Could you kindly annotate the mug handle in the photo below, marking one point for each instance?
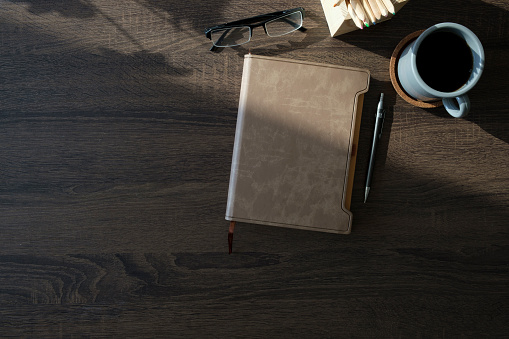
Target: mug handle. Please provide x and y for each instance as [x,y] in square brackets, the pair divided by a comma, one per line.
[459,110]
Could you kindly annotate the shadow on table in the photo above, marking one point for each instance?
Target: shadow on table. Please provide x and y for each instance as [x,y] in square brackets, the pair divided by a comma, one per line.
[185,11]
[369,110]
[67,8]
[492,27]
[489,98]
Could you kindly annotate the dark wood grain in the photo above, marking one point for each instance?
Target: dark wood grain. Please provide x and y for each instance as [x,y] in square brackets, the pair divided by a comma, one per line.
[116,133]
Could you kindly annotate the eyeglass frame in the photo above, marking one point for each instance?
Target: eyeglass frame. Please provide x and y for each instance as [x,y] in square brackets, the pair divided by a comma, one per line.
[260,20]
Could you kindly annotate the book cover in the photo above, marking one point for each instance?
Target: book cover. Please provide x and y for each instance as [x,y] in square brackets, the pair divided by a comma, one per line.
[295,144]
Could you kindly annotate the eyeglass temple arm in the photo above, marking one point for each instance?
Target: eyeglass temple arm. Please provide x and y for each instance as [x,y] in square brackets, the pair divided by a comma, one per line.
[259,18]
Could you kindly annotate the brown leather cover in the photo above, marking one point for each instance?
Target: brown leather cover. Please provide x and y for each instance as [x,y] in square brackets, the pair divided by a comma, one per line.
[295,144]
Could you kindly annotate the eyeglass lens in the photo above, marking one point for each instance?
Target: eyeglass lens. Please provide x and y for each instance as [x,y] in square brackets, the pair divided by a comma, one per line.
[231,36]
[284,25]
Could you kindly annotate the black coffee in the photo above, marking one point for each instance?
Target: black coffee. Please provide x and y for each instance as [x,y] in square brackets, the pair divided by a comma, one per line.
[444,61]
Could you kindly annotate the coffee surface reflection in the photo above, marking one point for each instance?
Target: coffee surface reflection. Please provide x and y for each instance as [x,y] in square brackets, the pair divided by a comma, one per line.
[444,61]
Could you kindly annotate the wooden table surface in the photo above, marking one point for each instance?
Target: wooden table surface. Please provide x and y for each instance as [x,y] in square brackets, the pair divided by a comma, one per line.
[116,134]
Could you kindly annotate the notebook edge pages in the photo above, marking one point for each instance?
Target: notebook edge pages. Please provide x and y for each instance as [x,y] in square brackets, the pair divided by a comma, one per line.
[246,71]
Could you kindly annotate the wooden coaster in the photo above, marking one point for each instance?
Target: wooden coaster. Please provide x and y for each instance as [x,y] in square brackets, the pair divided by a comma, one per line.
[393,70]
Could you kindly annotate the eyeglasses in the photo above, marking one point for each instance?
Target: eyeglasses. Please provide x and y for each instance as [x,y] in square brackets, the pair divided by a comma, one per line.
[240,32]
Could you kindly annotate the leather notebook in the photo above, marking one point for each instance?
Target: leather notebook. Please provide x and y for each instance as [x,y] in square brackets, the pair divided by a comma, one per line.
[295,144]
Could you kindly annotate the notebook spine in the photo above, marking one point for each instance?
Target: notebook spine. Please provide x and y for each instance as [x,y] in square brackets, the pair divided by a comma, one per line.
[238,136]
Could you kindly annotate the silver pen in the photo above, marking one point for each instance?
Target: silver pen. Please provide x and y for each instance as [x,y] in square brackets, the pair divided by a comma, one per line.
[380,116]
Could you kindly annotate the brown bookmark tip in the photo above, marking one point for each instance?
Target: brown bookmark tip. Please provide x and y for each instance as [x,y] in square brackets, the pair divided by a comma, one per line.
[230,236]
[230,242]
